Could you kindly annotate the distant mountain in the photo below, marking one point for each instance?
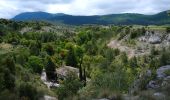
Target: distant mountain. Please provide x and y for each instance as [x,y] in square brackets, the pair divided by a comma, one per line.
[118,19]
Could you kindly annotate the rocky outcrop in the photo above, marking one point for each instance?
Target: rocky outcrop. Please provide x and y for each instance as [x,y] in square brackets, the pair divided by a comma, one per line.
[151,37]
[161,78]
[46,82]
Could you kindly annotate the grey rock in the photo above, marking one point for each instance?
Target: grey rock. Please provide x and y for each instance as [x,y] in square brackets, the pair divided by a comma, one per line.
[153,84]
[167,78]
[168,38]
[46,97]
[164,83]
[148,73]
[154,39]
[161,70]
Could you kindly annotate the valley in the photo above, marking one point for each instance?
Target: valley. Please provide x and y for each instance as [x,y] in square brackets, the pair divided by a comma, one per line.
[41,60]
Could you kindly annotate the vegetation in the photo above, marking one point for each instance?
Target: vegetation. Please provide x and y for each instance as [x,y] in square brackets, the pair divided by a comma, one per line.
[103,72]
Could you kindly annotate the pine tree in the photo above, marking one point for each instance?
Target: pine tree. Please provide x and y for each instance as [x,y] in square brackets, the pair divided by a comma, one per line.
[71,58]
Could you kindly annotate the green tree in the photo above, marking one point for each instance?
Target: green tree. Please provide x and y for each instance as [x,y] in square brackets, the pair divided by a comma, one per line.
[15,26]
[71,59]
[80,53]
[49,49]
[21,58]
[69,88]
[51,69]
[36,64]
[34,50]
[168,29]
[27,92]
[37,26]
[7,73]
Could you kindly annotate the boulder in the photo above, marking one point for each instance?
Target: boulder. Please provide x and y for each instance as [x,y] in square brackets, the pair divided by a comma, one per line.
[154,39]
[161,72]
[153,85]
[159,96]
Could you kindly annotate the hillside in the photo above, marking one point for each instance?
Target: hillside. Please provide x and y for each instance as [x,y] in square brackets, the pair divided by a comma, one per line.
[117,19]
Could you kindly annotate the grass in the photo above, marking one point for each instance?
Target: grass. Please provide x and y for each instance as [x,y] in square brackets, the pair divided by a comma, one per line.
[157,28]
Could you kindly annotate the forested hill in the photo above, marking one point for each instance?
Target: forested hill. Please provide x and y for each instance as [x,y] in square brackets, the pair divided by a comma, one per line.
[118,19]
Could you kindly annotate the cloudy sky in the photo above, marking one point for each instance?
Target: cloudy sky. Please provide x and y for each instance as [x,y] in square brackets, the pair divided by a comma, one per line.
[10,8]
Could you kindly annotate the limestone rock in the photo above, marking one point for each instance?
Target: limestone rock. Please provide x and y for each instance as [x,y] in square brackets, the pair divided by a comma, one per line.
[153,85]
[161,70]
[154,39]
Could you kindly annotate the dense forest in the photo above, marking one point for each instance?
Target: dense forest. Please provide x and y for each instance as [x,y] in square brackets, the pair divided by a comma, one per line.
[103,70]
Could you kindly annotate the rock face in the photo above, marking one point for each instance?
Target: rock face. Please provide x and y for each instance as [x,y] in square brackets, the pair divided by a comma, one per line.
[46,82]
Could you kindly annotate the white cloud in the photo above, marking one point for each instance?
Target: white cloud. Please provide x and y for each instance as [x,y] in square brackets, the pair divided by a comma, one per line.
[9,8]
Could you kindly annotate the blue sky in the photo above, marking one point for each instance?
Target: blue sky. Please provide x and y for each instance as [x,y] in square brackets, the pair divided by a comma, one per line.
[10,8]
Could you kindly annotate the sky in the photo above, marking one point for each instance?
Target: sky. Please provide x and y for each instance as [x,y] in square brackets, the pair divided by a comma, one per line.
[10,8]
